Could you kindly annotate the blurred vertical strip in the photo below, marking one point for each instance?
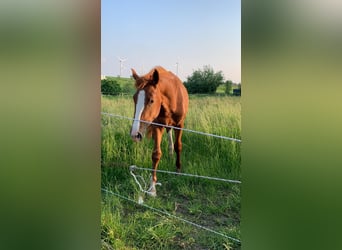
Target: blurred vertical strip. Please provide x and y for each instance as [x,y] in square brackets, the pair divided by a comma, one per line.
[291,124]
[50,124]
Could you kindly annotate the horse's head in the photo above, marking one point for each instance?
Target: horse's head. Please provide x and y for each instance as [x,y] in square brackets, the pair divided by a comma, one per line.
[147,100]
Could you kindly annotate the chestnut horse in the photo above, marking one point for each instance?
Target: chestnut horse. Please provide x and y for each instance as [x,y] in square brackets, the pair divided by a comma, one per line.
[160,98]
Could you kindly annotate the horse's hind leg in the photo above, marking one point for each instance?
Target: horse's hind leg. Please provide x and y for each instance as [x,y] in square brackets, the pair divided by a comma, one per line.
[170,140]
[178,147]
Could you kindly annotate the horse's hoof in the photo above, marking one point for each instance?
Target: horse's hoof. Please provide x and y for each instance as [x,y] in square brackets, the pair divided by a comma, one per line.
[152,193]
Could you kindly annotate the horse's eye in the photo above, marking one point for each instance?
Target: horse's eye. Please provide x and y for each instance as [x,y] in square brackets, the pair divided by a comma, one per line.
[151,101]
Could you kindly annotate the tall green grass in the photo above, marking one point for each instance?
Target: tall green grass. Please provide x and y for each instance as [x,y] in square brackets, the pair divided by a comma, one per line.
[213,204]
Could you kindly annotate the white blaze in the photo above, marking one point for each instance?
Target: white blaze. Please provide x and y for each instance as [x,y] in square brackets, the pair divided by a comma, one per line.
[138,111]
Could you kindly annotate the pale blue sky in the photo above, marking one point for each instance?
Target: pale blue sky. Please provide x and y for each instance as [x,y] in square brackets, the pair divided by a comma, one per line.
[193,33]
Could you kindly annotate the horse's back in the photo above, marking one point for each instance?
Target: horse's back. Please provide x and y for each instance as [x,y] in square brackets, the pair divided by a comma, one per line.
[175,91]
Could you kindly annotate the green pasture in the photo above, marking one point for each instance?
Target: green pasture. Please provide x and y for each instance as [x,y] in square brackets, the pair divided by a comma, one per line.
[213,204]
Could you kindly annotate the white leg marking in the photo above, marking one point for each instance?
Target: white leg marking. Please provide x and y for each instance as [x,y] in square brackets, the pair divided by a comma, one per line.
[138,111]
[152,190]
[169,137]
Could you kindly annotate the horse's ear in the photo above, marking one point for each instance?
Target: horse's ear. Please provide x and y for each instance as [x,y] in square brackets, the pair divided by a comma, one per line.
[134,74]
[155,77]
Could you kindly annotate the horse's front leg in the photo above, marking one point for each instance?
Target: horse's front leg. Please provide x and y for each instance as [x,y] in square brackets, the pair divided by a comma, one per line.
[156,155]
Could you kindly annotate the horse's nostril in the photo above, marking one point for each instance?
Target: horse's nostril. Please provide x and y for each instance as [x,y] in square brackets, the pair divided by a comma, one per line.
[139,136]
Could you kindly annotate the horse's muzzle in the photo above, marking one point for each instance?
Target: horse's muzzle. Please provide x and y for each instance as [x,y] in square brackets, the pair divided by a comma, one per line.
[137,137]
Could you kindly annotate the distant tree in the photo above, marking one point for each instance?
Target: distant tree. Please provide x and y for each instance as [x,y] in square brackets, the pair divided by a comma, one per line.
[228,84]
[128,88]
[110,87]
[204,81]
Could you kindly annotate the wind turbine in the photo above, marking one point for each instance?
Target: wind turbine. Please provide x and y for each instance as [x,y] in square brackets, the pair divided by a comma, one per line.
[177,66]
[121,60]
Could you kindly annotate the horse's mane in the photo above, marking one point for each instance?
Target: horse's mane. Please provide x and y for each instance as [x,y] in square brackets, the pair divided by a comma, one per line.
[143,80]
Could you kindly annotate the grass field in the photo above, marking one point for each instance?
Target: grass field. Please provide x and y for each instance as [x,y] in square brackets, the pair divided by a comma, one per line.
[213,204]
